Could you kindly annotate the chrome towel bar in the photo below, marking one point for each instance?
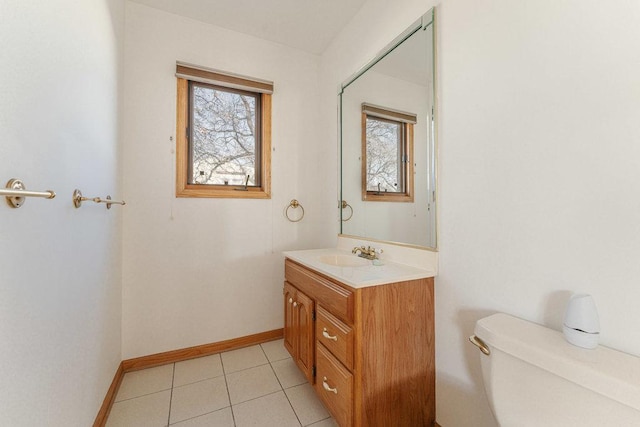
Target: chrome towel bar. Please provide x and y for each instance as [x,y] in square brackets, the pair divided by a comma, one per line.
[16,193]
[78,199]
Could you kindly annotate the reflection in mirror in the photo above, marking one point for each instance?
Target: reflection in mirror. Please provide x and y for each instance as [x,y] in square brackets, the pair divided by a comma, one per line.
[387,147]
[387,131]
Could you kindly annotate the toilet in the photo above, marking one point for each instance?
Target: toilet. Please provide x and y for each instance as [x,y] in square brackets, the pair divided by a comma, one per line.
[533,377]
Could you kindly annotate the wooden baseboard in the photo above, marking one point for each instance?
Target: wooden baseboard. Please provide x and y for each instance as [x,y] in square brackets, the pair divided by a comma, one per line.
[103,414]
[199,351]
[173,356]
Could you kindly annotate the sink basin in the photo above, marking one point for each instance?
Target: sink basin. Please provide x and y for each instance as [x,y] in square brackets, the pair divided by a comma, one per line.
[344,260]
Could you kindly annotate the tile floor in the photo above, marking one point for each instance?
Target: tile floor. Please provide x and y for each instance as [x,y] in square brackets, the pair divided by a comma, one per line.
[253,386]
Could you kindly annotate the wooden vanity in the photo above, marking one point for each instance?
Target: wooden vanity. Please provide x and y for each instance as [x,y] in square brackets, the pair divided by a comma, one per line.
[368,351]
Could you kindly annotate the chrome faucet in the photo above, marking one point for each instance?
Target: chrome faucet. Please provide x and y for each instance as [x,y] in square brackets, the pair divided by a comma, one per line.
[368,252]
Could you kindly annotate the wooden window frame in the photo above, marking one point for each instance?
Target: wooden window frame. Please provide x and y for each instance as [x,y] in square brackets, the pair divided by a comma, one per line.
[407,141]
[183,188]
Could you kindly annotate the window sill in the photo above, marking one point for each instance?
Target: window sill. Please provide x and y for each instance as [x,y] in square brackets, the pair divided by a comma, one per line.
[387,197]
[233,192]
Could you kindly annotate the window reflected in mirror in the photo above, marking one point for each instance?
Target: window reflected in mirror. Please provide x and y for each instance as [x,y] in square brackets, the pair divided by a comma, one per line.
[387,150]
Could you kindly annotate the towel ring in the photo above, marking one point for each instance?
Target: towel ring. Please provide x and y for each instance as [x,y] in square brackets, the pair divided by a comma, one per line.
[345,205]
[295,205]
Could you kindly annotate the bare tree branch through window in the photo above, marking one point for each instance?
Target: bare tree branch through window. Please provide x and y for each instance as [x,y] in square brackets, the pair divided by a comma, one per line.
[384,155]
[223,136]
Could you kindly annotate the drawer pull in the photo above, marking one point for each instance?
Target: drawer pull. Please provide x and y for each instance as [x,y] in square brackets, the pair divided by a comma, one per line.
[326,386]
[295,304]
[325,334]
[290,300]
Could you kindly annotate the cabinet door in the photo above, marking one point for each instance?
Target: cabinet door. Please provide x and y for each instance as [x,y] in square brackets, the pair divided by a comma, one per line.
[290,329]
[306,332]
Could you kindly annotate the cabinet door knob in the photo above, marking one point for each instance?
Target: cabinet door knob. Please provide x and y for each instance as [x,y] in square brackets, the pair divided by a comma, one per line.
[290,300]
[325,334]
[295,304]
[326,386]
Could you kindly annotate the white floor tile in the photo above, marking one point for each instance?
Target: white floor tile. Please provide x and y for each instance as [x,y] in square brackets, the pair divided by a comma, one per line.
[275,350]
[151,410]
[288,373]
[269,411]
[220,418]
[251,379]
[244,358]
[306,404]
[329,422]
[197,399]
[194,370]
[146,381]
[252,383]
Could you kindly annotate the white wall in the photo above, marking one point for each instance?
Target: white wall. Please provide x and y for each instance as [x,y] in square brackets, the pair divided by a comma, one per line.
[539,171]
[205,270]
[60,282]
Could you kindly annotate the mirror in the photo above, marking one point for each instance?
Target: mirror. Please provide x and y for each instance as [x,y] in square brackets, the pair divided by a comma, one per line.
[387,141]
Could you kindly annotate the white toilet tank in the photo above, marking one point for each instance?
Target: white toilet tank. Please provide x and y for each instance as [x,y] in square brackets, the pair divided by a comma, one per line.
[533,377]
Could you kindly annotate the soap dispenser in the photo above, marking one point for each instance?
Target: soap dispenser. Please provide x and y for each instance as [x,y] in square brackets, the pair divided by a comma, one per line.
[581,322]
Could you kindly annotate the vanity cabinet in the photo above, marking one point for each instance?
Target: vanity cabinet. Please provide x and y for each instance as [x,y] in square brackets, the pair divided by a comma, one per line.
[371,348]
[298,328]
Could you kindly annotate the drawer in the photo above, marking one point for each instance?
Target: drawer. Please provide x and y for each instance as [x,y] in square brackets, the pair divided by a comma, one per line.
[336,336]
[334,385]
[335,298]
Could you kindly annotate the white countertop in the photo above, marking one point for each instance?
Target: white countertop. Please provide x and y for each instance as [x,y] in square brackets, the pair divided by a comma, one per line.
[360,276]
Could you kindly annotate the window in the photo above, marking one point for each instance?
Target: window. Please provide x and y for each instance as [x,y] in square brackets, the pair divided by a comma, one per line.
[223,143]
[387,154]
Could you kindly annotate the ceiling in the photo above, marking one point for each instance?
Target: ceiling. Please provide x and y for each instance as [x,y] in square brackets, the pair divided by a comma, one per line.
[309,25]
